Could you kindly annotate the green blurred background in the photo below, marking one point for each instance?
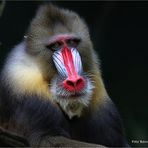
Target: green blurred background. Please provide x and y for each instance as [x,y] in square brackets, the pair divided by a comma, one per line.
[119,31]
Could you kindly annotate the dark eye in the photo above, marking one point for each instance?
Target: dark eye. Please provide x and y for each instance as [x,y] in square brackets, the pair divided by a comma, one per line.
[73,42]
[54,46]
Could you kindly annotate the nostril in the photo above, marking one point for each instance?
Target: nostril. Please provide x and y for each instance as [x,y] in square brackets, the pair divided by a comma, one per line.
[70,83]
[79,81]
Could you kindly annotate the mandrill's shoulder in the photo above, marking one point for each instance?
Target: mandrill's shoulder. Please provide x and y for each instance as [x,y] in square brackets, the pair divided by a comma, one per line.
[101,125]
[26,114]
[32,114]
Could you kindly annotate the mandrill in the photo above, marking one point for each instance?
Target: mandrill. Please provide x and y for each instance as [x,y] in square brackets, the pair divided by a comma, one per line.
[51,84]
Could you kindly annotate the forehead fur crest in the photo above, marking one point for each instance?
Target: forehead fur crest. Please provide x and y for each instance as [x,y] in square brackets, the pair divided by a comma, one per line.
[57,20]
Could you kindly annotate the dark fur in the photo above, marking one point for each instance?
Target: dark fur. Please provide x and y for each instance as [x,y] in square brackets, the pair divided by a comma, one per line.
[31,117]
[102,126]
[34,117]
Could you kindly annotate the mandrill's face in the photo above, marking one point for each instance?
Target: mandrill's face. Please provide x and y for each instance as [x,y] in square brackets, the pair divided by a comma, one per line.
[71,87]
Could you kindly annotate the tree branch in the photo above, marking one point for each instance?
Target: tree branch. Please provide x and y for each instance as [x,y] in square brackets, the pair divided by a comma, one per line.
[60,141]
[10,139]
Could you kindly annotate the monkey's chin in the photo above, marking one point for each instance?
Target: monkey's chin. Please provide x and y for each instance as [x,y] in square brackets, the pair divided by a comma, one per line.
[73,105]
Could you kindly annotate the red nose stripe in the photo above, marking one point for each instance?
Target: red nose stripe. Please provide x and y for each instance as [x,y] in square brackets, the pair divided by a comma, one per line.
[74,81]
[68,62]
